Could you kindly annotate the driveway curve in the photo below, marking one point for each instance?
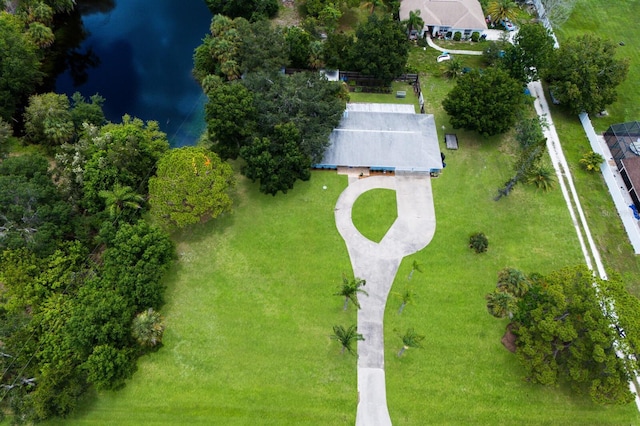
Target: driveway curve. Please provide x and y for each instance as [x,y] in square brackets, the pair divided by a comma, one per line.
[378,264]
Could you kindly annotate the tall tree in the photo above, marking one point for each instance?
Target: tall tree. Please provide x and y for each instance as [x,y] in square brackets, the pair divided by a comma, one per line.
[414,22]
[381,48]
[564,336]
[346,337]
[231,117]
[487,102]
[499,10]
[530,55]
[248,9]
[350,289]
[19,65]
[585,74]
[48,120]
[191,185]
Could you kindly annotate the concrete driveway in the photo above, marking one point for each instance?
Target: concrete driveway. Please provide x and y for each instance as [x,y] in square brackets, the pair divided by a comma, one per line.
[378,264]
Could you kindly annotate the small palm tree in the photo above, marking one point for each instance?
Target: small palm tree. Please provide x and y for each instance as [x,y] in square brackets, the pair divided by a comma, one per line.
[316,55]
[148,327]
[454,68]
[406,296]
[121,198]
[415,266]
[502,9]
[479,242]
[414,22]
[591,161]
[542,177]
[350,290]
[513,281]
[346,337]
[500,303]
[410,339]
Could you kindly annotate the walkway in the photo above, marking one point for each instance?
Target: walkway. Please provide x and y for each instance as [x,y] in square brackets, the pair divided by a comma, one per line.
[459,52]
[378,264]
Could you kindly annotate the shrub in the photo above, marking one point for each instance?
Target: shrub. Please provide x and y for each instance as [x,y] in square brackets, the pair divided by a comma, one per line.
[448,34]
[591,160]
[457,36]
[475,36]
[478,242]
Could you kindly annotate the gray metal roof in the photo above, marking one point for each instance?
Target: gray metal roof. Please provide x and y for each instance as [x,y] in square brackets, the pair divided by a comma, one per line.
[373,137]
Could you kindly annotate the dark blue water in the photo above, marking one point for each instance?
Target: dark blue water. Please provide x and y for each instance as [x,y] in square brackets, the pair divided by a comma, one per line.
[145,50]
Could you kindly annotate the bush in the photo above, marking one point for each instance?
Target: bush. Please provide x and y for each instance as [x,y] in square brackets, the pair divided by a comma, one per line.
[448,34]
[478,242]
[457,36]
[591,161]
[475,36]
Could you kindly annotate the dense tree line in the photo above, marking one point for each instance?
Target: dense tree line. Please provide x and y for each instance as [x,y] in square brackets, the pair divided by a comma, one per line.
[278,124]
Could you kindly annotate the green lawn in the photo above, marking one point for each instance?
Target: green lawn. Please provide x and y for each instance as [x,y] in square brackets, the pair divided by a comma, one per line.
[251,301]
[388,98]
[374,212]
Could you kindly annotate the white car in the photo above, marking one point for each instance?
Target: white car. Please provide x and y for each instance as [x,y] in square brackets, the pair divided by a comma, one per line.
[443,57]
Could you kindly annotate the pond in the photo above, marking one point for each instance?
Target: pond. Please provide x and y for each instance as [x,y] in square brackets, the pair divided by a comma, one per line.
[144,52]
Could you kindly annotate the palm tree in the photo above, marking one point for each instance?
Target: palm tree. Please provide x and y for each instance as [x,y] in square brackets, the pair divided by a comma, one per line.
[513,281]
[500,10]
[415,266]
[120,198]
[406,297]
[350,290]
[148,327]
[414,22]
[500,303]
[346,337]
[542,177]
[410,339]
[454,68]
[316,58]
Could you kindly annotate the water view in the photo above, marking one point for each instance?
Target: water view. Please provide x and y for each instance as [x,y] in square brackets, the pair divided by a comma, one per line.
[144,50]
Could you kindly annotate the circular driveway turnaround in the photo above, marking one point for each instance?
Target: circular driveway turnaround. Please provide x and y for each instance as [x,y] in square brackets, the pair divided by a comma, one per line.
[378,264]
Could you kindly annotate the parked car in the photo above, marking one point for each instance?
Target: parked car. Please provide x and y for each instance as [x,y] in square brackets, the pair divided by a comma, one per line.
[508,25]
[443,57]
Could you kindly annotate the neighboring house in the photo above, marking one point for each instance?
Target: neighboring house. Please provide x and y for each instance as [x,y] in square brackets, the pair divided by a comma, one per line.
[623,141]
[384,137]
[442,16]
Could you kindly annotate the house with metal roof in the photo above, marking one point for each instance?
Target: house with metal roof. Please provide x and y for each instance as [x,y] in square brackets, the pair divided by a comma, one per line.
[442,16]
[384,137]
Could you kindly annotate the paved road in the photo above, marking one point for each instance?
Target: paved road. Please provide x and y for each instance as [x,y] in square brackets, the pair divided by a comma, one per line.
[378,264]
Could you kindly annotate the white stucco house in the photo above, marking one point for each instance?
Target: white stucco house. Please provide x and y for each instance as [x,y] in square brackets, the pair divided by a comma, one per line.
[442,16]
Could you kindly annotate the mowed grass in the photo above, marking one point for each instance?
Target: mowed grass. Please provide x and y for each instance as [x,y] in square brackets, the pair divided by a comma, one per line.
[374,212]
[615,21]
[249,314]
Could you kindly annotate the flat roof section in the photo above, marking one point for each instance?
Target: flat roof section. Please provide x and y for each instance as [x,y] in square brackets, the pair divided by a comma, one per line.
[384,136]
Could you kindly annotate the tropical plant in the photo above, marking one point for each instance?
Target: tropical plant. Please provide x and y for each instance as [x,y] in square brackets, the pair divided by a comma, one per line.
[479,242]
[542,177]
[372,5]
[454,68]
[121,198]
[410,339]
[406,296]
[415,266]
[500,303]
[148,327]
[499,10]
[350,290]
[414,22]
[346,337]
[591,161]
[513,281]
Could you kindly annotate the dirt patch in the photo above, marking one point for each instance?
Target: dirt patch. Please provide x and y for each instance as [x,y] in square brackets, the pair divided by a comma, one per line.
[509,339]
[288,15]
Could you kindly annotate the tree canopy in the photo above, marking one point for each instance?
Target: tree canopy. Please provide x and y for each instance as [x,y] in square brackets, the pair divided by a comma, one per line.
[585,74]
[530,55]
[488,102]
[248,9]
[191,184]
[381,48]
[566,330]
